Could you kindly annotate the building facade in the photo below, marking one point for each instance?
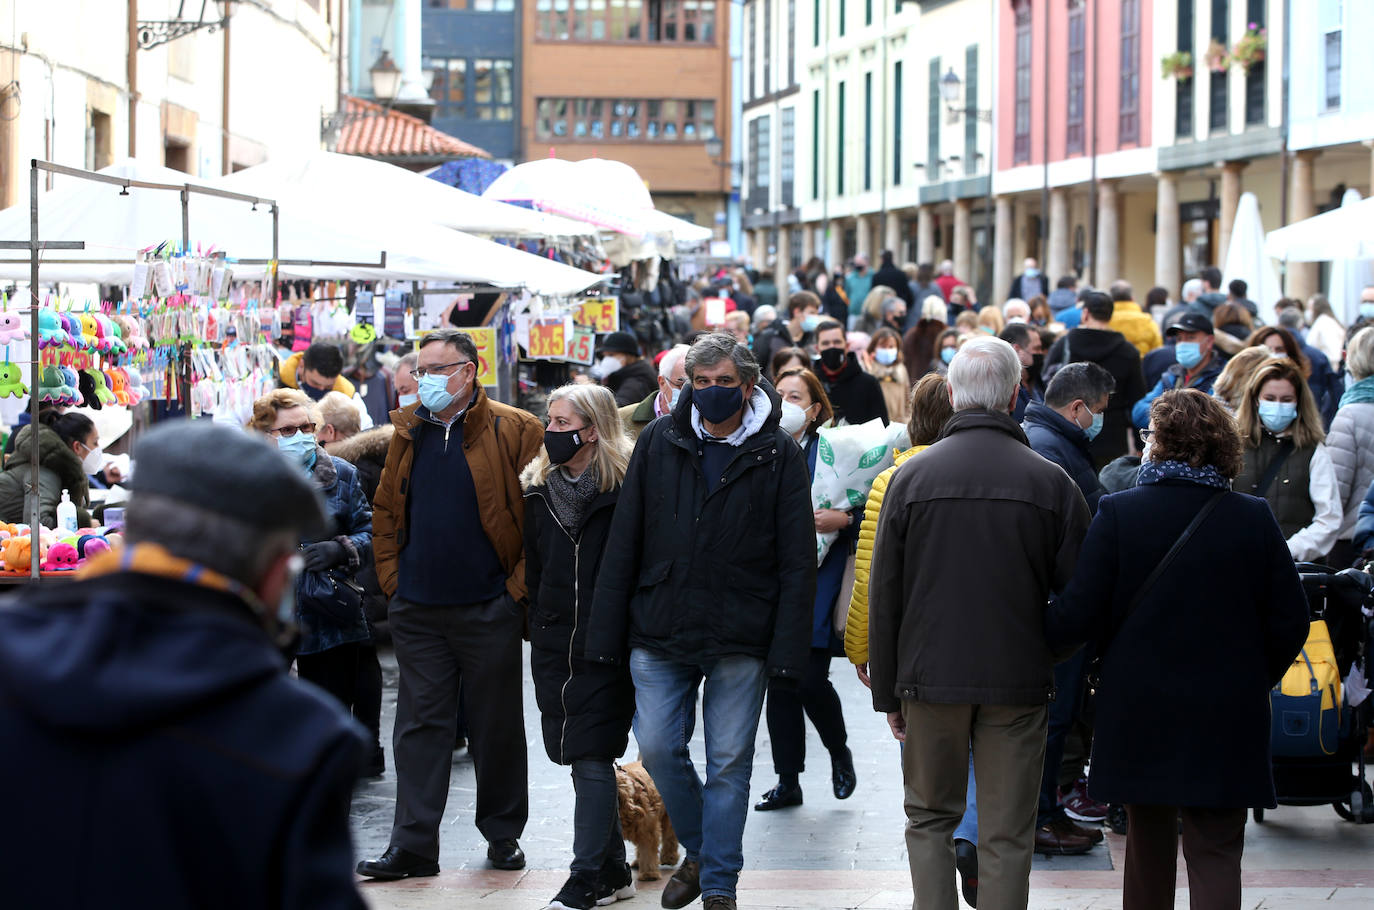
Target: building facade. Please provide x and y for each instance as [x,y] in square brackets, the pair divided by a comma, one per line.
[646,82]
[204,103]
[472,56]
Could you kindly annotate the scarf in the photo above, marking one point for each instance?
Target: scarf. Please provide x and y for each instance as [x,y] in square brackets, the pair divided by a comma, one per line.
[1157,471]
[570,498]
[1359,393]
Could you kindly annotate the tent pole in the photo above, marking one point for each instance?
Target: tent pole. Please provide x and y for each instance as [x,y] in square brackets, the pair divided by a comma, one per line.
[34,370]
[185,220]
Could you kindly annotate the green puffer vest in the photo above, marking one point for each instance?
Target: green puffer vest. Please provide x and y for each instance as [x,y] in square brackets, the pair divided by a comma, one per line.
[1288,495]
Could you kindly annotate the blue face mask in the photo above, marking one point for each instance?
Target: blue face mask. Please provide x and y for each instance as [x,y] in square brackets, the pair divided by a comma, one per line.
[1277,416]
[1093,428]
[947,354]
[1366,310]
[434,393]
[1188,353]
[717,403]
[300,448]
[407,400]
[672,399]
[810,322]
[1032,273]
[886,356]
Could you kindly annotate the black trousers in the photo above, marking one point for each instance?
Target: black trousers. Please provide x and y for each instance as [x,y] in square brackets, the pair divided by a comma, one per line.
[367,698]
[789,705]
[1213,840]
[335,671]
[434,646]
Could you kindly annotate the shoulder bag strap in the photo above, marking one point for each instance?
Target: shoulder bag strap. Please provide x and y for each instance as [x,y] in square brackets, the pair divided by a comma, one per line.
[1179,544]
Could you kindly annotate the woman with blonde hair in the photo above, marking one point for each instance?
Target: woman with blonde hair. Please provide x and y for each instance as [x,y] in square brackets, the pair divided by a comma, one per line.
[1230,385]
[990,320]
[585,708]
[871,313]
[1286,459]
[883,361]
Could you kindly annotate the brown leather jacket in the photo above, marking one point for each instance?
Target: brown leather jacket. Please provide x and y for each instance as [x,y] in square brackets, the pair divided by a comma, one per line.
[498,441]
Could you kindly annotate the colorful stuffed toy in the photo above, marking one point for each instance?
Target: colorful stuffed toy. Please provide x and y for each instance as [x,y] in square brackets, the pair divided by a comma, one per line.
[18,554]
[51,333]
[51,385]
[12,382]
[88,331]
[12,328]
[137,390]
[103,386]
[120,385]
[91,545]
[110,330]
[61,558]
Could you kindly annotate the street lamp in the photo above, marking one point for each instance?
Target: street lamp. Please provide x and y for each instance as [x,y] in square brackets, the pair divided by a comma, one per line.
[715,147]
[151,33]
[950,88]
[386,78]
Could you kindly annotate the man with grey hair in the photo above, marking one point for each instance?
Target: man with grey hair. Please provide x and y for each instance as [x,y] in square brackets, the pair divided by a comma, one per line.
[148,703]
[958,658]
[708,583]
[672,375]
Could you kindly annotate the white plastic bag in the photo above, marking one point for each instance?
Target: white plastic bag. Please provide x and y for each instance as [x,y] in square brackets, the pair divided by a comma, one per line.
[849,459]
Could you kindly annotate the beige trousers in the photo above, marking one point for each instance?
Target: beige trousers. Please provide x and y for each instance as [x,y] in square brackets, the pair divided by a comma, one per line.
[1008,744]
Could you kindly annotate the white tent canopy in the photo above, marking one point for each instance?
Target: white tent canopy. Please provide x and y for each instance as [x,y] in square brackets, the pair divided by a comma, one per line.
[609,194]
[1246,258]
[392,192]
[114,224]
[1349,276]
[1343,233]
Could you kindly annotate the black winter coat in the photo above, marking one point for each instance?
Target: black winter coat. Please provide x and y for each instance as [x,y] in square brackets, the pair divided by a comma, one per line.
[585,707]
[633,383]
[892,277]
[149,711]
[695,576]
[1057,439]
[1111,351]
[856,396]
[1183,706]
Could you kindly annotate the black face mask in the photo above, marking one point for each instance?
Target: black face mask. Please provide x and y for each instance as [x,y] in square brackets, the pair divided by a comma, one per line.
[563,447]
[1037,362]
[833,358]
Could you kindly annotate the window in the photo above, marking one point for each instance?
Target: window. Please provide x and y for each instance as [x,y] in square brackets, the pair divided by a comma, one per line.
[791,42]
[1331,31]
[1076,81]
[787,164]
[751,47]
[842,16]
[816,144]
[971,103]
[839,140]
[99,141]
[684,21]
[897,123]
[1021,143]
[1219,98]
[1128,115]
[760,163]
[492,95]
[478,89]
[1255,76]
[868,12]
[868,131]
[815,23]
[624,119]
[767,46]
[477,6]
[933,123]
[1183,88]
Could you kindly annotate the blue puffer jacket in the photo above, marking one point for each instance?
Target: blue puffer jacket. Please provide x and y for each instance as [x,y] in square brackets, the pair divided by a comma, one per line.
[1364,526]
[1057,439]
[346,505]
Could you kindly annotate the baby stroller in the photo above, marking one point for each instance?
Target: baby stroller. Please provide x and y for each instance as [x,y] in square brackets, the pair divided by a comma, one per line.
[1323,773]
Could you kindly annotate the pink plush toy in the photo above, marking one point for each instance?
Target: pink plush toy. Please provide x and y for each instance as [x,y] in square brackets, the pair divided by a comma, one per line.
[12,328]
[62,557]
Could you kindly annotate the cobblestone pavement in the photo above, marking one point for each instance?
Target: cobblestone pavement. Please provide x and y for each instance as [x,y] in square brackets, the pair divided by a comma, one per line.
[825,853]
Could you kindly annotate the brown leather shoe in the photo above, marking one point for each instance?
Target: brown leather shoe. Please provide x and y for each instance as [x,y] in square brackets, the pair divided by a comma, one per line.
[1052,842]
[684,887]
[720,902]
[1066,825]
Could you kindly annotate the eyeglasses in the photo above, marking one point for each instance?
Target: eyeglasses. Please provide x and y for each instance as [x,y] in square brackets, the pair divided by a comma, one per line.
[1146,435]
[677,385]
[421,372]
[288,432]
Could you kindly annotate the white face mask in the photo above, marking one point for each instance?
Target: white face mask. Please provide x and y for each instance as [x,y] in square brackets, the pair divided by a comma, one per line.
[94,460]
[605,367]
[793,418]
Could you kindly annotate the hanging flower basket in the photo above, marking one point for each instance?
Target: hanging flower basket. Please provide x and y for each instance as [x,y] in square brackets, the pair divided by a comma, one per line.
[1178,65]
[1249,50]
[1217,58]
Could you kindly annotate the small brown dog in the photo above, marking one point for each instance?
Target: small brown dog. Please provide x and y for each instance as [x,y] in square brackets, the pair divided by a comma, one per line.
[644,820]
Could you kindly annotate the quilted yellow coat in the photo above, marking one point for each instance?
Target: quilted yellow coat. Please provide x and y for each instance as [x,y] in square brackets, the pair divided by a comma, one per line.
[856,624]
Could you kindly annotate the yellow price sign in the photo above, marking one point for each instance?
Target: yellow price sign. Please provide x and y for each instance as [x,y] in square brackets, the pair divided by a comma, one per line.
[601,315]
[485,339]
[548,339]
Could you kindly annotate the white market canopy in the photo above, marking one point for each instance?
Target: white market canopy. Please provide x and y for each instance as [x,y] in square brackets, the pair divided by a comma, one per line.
[609,194]
[1342,233]
[115,224]
[392,192]
[1246,259]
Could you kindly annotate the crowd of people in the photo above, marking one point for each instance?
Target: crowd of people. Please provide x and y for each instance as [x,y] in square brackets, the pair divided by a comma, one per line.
[654,539]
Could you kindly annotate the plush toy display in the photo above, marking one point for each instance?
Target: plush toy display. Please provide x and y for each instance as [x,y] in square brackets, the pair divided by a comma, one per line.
[61,558]
[12,382]
[12,327]
[51,333]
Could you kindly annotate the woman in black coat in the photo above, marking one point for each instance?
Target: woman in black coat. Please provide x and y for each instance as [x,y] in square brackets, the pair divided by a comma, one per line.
[1183,702]
[585,707]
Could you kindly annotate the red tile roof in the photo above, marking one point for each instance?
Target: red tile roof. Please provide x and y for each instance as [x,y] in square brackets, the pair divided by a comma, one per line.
[371,131]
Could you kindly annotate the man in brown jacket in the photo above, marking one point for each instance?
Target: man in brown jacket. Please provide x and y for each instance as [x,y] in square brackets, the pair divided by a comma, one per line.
[957,652]
[672,375]
[448,526]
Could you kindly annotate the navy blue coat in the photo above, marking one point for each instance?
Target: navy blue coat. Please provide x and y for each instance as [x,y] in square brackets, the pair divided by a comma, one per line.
[1057,439]
[1364,527]
[351,517]
[1183,706]
[161,755]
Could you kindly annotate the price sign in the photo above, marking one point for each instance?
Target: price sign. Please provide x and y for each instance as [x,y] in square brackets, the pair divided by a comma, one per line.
[601,315]
[548,339]
[715,311]
[583,347]
[485,339]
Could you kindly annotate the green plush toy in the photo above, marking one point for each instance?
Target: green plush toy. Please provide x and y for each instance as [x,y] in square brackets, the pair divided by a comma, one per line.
[11,382]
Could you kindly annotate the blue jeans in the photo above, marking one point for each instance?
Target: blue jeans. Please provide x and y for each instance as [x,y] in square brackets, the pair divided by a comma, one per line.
[1068,684]
[968,825]
[708,818]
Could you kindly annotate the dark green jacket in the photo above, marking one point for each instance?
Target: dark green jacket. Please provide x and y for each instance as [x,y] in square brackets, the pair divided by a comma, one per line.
[58,469]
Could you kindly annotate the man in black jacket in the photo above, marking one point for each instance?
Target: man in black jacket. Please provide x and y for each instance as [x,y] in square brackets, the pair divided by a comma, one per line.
[888,275]
[1094,341]
[157,742]
[855,396]
[624,371]
[709,574]
[958,658]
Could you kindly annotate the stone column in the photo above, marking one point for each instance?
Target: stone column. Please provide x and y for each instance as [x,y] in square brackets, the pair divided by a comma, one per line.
[1002,247]
[963,240]
[1108,266]
[1302,276]
[925,236]
[783,265]
[761,251]
[1057,254]
[751,245]
[863,238]
[808,243]
[1230,198]
[892,237]
[1168,250]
